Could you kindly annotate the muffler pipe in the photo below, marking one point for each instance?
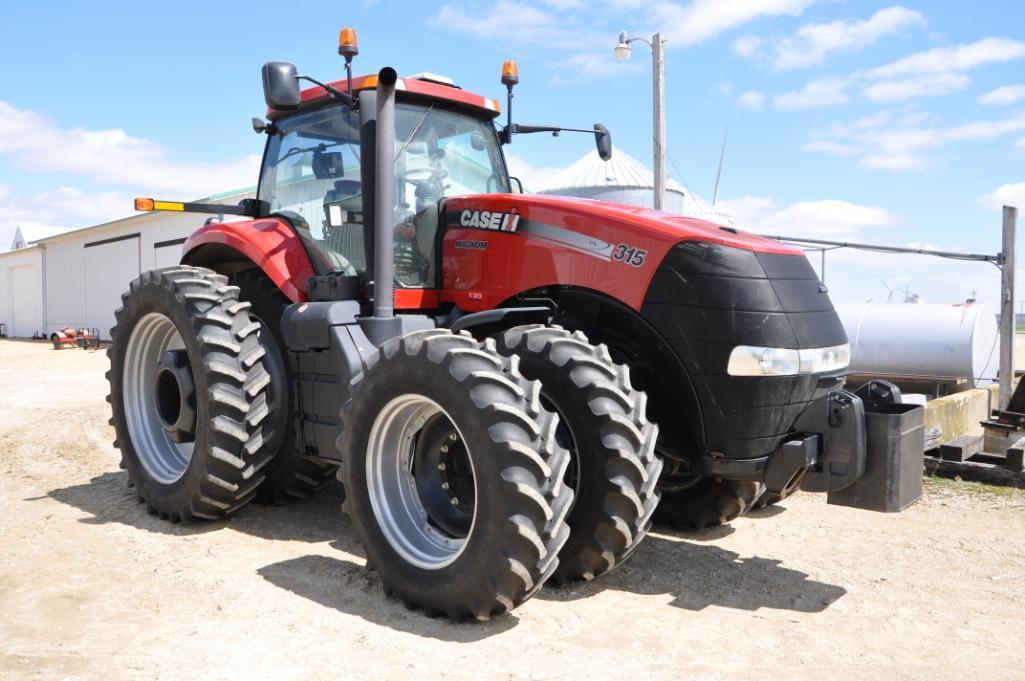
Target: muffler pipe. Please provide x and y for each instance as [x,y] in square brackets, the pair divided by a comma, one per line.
[384,199]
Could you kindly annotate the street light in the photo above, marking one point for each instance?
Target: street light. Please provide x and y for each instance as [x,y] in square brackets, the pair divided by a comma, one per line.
[623,51]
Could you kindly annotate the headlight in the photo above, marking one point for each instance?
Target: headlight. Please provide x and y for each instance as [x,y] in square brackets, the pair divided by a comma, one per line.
[748,360]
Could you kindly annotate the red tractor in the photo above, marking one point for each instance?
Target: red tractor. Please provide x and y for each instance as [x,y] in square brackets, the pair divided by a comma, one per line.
[482,369]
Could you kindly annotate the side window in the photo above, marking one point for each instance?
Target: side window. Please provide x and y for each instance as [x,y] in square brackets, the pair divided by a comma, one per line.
[312,169]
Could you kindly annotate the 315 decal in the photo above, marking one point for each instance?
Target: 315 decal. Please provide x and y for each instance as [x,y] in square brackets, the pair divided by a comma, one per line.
[629,255]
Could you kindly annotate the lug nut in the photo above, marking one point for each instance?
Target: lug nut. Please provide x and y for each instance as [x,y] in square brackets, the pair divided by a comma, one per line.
[444,485]
[455,502]
[452,436]
[441,466]
[444,448]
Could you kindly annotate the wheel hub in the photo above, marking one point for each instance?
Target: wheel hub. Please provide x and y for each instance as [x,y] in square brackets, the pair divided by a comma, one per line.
[444,479]
[175,395]
[421,481]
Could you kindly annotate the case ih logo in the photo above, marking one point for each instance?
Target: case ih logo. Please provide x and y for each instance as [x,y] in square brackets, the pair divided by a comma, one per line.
[493,220]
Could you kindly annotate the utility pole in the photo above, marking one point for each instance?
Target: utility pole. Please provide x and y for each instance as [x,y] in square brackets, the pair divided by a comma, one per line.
[658,106]
[659,120]
[1007,306]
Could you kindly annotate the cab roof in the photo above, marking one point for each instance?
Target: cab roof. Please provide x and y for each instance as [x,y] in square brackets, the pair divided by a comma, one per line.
[412,87]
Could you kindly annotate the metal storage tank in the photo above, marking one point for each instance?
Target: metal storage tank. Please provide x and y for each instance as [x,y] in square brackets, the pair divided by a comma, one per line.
[624,179]
[925,340]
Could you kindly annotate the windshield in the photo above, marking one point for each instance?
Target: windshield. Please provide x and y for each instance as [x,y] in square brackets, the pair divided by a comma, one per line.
[312,169]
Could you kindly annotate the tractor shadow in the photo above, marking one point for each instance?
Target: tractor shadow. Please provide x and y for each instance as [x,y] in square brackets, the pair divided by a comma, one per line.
[107,498]
[355,590]
[699,575]
[686,565]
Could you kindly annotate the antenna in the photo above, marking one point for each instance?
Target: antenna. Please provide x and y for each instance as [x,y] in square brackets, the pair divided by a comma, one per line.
[718,173]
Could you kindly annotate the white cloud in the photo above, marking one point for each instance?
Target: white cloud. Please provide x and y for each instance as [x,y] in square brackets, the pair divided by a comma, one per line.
[958,59]
[1009,94]
[895,140]
[532,177]
[981,130]
[830,218]
[700,20]
[512,23]
[593,65]
[725,89]
[1005,195]
[813,42]
[564,5]
[1020,144]
[939,71]
[66,207]
[752,99]
[113,157]
[748,46]
[858,276]
[932,85]
[824,92]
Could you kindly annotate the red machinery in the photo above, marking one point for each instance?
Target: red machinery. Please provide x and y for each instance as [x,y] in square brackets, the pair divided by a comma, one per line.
[83,337]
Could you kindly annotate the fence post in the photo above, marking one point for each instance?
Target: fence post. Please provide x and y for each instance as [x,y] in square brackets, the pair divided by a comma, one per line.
[1007,326]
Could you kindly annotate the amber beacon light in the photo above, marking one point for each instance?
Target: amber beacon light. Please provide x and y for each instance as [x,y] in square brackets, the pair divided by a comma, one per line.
[348,47]
[510,73]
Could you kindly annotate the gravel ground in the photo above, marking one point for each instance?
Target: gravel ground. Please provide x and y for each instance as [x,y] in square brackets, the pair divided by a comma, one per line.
[92,587]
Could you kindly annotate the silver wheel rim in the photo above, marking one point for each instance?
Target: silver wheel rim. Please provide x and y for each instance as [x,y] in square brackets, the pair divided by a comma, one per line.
[165,460]
[396,502]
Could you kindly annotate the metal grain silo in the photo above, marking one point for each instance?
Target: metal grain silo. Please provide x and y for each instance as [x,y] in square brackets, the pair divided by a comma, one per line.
[623,179]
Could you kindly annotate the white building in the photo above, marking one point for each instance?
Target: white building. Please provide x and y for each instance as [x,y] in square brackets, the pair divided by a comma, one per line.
[76,278]
[624,179]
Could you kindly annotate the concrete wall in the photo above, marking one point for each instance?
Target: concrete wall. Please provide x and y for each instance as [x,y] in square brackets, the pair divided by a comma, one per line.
[959,414]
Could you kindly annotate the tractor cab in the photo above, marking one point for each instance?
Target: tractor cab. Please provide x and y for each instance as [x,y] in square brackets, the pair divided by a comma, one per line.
[313,173]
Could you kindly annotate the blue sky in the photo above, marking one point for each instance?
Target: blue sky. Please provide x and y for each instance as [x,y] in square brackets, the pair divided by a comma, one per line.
[890,122]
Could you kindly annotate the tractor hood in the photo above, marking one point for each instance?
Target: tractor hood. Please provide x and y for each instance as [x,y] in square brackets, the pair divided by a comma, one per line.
[536,241]
[586,214]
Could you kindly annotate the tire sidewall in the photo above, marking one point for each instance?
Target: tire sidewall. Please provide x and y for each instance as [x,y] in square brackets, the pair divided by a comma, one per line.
[147,298]
[471,569]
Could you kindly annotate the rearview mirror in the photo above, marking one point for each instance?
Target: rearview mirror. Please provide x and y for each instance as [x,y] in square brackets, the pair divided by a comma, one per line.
[281,85]
[603,141]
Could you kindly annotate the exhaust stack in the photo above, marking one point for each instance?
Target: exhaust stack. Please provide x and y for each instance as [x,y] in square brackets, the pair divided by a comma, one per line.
[384,193]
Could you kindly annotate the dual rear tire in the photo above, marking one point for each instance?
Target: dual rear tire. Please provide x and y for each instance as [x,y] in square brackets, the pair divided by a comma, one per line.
[190,394]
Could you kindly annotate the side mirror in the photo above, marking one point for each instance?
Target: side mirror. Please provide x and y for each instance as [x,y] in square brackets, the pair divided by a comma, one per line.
[328,165]
[281,85]
[603,141]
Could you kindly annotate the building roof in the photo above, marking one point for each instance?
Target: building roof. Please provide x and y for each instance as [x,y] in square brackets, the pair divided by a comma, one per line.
[623,171]
[29,234]
[213,198]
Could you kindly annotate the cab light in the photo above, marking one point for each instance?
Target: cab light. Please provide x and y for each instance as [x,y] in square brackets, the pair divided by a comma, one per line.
[145,205]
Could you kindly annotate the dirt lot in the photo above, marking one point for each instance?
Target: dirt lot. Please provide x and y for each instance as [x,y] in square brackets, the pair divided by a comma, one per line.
[91,587]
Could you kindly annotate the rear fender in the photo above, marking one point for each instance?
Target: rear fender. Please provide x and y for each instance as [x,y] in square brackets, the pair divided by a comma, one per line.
[269,243]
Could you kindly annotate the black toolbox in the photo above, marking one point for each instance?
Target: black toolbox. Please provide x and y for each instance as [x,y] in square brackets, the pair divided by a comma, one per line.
[895,444]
